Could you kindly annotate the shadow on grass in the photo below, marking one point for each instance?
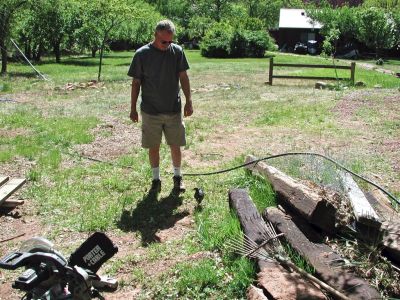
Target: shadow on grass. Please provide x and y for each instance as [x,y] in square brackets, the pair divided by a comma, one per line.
[151,215]
[80,62]
[23,74]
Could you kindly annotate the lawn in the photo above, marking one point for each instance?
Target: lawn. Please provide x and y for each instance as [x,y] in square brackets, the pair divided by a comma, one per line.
[169,247]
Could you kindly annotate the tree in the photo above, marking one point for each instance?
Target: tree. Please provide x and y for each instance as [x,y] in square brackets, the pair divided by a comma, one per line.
[101,18]
[198,26]
[140,31]
[49,23]
[377,29]
[268,10]
[339,24]
[8,9]
[385,4]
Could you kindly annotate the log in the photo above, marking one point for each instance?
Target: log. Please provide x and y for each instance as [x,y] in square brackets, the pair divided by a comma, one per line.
[322,258]
[315,208]
[277,281]
[12,203]
[363,210]
[390,229]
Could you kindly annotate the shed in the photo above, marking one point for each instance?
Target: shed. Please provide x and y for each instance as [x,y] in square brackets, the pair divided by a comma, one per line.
[295,26]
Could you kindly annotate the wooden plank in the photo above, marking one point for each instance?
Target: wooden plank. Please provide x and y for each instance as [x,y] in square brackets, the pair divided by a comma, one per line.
[3,179]
[9,188]
[322,258]
[277,281]
[390,229]
[382,205]
[310,77]
[363,210]
[315,208]
[352,72]
[271,70]
[313,66]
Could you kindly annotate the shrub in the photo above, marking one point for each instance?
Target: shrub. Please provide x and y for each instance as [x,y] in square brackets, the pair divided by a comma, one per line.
[221,40]
[257,43]
[217,41]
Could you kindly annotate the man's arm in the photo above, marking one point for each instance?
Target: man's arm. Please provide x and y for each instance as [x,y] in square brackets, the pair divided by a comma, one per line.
[185,84]
[134,96]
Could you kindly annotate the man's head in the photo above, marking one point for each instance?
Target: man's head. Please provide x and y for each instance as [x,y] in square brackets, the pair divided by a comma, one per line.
[164,34]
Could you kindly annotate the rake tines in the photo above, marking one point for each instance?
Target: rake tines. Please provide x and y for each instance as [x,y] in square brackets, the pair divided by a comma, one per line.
[246,247]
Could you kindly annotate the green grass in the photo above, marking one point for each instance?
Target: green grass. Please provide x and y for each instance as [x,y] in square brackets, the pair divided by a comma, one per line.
[235,114]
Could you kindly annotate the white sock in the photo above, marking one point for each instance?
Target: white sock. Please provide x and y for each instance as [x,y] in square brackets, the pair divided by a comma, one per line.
[156,173]
[177,171]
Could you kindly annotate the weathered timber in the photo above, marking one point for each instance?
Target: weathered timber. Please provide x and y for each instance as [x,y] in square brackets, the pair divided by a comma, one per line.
[12,203]
[390,229]
[3,180]
[363,211]
[325,261]
[277,281]
[254,293]
[315,208]
[9,188]
[382,205]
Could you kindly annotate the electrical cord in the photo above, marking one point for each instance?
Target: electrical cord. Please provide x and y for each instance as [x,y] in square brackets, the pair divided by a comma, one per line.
[263,159]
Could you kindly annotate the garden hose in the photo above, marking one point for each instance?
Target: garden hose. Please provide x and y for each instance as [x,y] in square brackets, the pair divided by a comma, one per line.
[391,196]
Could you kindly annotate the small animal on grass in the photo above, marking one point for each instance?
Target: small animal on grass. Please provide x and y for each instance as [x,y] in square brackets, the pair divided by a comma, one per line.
[198,195]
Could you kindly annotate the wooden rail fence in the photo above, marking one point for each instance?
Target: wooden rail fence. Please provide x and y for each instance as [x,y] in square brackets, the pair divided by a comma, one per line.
[352,69]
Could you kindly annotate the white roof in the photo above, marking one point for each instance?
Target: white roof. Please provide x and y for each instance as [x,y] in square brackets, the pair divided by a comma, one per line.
[296,18]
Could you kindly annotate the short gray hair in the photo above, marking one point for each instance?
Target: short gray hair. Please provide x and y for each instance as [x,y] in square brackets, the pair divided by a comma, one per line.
[165,25]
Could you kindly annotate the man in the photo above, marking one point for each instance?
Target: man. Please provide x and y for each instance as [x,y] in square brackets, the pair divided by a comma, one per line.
[157,68]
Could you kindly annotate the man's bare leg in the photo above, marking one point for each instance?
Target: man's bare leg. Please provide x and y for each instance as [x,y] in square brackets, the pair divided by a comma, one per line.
[154,156]
[176,155]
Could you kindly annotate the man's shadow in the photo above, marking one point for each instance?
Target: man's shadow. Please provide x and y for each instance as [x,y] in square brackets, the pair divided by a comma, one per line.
[151,215]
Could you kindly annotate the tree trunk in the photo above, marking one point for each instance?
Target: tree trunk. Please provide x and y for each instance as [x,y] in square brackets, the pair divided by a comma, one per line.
[101,53]
[3,56]
[57,51]
[39,52]
[28,49]
[94,50]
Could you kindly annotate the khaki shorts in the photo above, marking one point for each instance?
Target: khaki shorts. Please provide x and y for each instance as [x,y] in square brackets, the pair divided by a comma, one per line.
[154,125]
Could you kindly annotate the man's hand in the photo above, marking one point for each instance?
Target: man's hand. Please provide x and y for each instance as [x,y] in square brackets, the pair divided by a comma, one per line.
[188,109]
[134,116]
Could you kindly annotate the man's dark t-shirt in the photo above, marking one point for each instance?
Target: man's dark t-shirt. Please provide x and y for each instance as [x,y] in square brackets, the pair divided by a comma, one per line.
[159,74]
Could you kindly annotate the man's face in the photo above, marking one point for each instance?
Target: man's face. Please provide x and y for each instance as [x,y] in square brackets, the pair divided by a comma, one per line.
[162,39]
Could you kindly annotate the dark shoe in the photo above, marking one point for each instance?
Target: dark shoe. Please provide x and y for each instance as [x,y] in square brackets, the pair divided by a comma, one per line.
[155,186]
[179,187]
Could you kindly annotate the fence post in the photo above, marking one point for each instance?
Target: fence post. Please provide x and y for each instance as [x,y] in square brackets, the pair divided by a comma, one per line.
[271,70]
[353,72]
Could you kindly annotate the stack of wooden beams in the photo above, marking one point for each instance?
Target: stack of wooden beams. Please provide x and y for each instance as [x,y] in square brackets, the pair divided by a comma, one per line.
[305,216]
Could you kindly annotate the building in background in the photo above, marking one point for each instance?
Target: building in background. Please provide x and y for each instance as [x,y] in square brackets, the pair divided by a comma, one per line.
[295,27]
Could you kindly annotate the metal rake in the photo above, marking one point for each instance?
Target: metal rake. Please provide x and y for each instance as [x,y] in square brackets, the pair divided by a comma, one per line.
[270,249]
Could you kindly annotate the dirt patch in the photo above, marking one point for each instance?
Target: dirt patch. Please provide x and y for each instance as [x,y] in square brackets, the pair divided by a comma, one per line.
[113,138]
[12,133]
[18,167]
[383,101]
[353,101]
[206,88]
[181,227]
